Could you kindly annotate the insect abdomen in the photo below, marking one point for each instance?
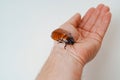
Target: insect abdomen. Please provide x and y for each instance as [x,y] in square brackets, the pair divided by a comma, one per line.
[62,36]
[58,34]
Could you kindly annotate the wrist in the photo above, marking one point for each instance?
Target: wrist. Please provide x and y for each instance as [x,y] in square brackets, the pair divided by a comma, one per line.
[60,66]
[68,51]
[67,64]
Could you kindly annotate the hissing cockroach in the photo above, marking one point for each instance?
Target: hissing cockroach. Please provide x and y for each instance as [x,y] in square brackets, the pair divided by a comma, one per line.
[63,36]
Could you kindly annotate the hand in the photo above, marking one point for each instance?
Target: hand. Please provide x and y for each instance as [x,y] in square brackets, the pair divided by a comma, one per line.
[88,32]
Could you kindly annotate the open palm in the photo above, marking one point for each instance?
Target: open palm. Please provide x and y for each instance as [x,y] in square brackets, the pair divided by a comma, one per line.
[89,32]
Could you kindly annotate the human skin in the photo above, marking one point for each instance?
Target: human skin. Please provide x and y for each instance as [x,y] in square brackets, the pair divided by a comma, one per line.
[67,64]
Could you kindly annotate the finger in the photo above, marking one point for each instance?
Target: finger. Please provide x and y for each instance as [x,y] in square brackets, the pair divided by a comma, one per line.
[104,24]
[89,13]
[91,21]
[71,25]
[100,6]
[87,16]
[99,20]
[74,20]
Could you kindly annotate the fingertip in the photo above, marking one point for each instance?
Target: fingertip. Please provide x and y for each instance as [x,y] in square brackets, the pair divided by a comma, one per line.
[91,9]
[87,16]
[104,7]
[74,20]
[107,8]
[78,14]
[89,12]
[100,6]
[108,16]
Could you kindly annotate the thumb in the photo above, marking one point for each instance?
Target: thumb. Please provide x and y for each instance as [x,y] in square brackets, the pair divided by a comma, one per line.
[72,24]
[74,20]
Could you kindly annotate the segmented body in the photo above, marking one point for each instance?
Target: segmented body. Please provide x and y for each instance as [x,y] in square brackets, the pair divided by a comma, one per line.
[62,36]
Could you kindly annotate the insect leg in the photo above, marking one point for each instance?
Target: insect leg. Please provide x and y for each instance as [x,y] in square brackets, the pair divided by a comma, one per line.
[65,45]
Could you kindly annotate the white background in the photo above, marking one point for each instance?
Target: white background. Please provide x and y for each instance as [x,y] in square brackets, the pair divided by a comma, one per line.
[25,43]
